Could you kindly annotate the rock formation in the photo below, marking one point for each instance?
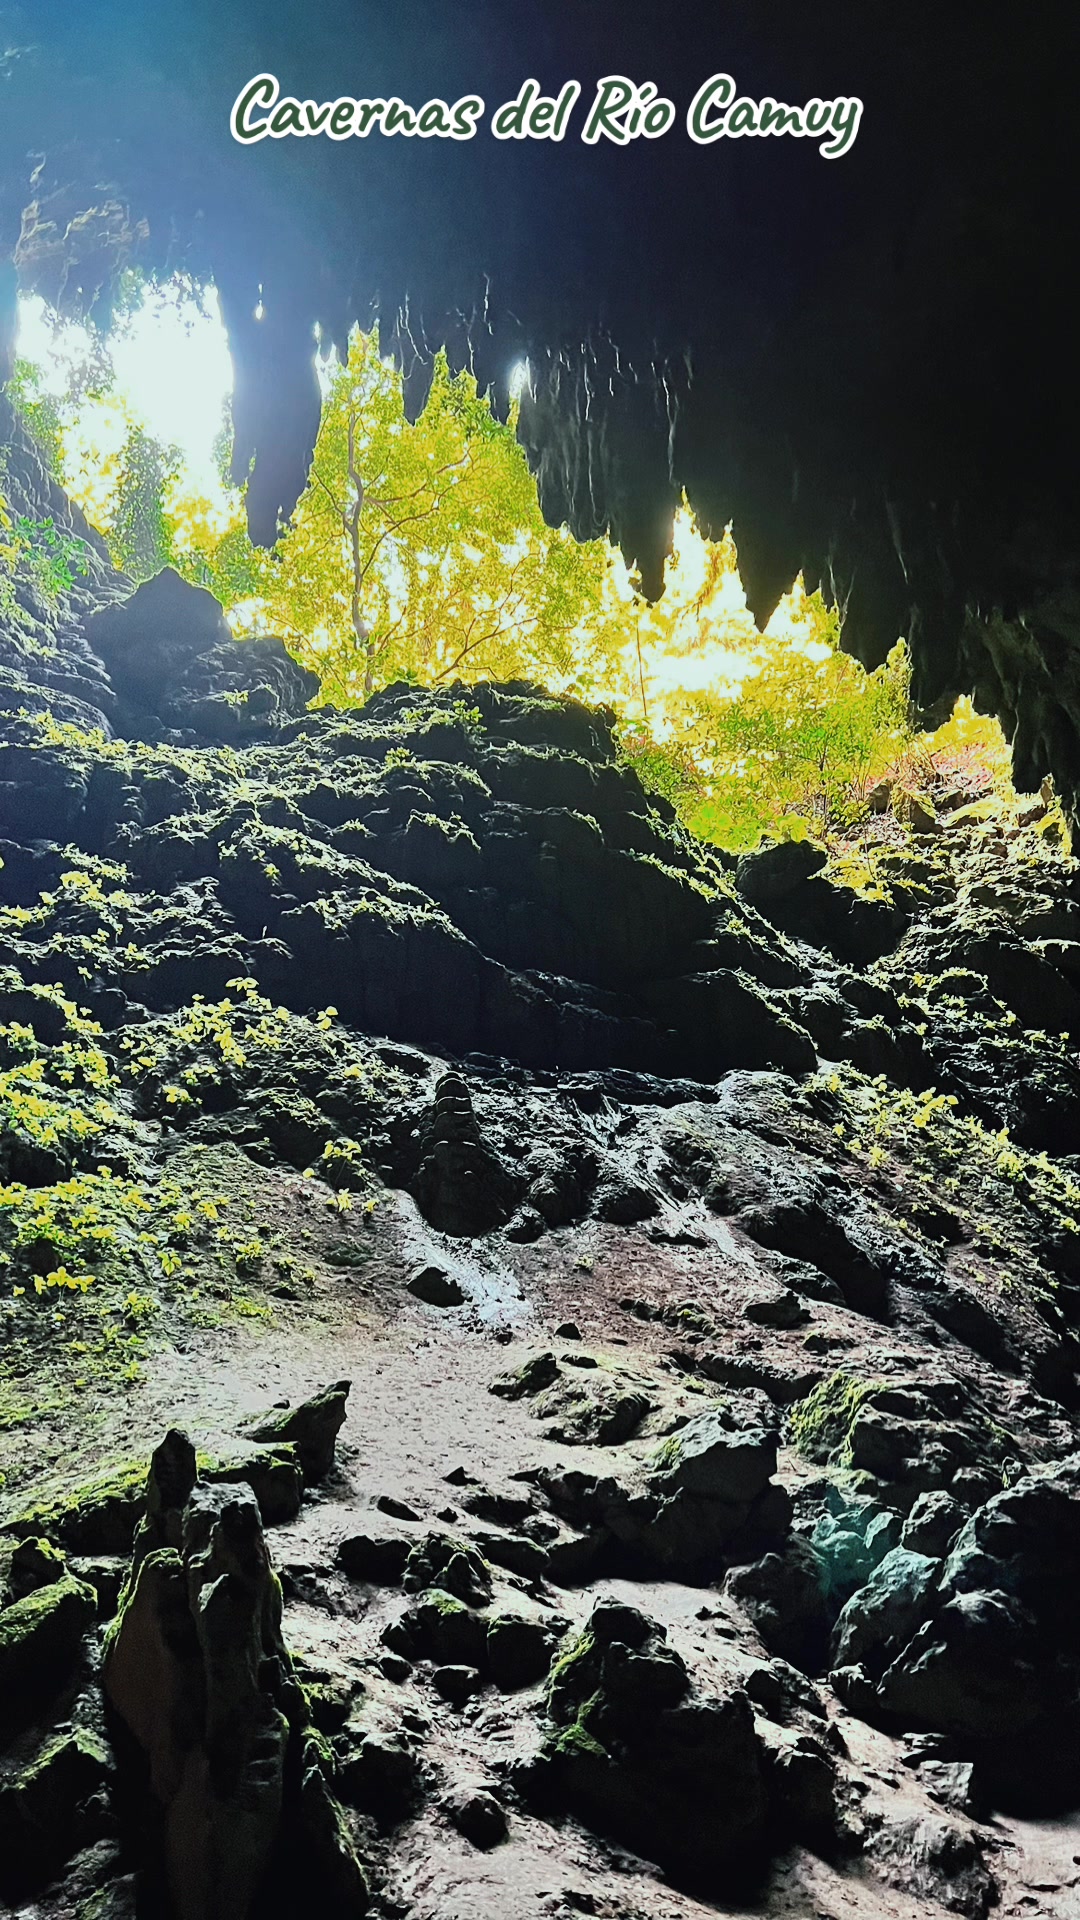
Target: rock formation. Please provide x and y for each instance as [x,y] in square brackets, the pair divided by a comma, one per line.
[699,1240]
[197,1673]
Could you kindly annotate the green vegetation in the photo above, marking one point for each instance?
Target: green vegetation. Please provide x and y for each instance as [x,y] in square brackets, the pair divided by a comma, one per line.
[821,1424]
[963,1160]
[40,1633]
[418,552]
[103,1252]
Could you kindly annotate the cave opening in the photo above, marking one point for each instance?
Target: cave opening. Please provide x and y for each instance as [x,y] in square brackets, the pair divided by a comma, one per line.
[749,729]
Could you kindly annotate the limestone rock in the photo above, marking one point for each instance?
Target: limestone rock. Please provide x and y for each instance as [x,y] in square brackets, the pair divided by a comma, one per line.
[184,1671]
[172,658]
[707,1485]
[441,1559]
[883,1615]
[436,1287]
[40,1635]
[461,1185]
[638,1752]
[35,1563]
[440,1627]
[198,1674]
[312,1428]
[933,1524]
[476,1814]
[51,1807]
[933,1858]
[785,1594]
[518,1651]
[983,1647]
[375,1553]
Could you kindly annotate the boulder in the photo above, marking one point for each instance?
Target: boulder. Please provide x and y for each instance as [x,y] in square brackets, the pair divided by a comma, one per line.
[785,1595]
[983,1647]
[41,1634]
[539,1371]
[933,1859]
[882,1616]
[52,1806]
[709,1459]
[933,1524]
[708,1485]
[518,1651]
[440,1627]
[476,1814]
[442,1560]
[457,1684]
[375,1553]
[973,1670]
[638,1752]
[172,657]
[312,1428]
[35,1563]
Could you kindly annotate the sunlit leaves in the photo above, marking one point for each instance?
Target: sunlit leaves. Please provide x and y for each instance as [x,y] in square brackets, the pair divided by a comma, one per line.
[452,572]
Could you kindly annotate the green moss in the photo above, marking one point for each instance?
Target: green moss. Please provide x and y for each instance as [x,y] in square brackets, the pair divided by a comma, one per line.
[666,1455]
[821,1424]
[45,1807]
[444,1603]
[575,1741]
[40,1634]
[98,1516]
[572,1673]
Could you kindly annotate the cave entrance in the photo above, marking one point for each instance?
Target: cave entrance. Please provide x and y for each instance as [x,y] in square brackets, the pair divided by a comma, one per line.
[418,552]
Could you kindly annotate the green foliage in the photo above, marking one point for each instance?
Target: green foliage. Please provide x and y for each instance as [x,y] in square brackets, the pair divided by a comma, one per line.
[37,553]
[789,742]
[40,413]
[50,558]
[141,533]
[418,550]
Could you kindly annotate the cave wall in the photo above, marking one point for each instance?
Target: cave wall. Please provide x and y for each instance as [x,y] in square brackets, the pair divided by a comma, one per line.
[866,362]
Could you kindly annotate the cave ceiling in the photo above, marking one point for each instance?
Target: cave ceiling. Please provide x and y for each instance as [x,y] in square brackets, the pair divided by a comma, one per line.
[867,363]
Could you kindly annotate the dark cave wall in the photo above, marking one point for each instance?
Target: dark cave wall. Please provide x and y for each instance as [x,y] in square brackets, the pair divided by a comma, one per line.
[864,363]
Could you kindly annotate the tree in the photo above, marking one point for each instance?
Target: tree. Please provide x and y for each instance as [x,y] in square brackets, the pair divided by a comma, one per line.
[418,549]
[750,732]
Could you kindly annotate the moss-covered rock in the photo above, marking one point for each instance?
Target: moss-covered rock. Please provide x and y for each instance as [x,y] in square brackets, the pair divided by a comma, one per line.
[312,1428]
[98,1516]
[452,1565]
[821,1424]
[449,1632]
[101,1515]
[324,1837]
[40,1635]
[52,1807]
[638,1751]
[34,1563]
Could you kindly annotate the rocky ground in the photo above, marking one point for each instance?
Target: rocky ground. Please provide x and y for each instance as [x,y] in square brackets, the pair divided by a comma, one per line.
[621,1305]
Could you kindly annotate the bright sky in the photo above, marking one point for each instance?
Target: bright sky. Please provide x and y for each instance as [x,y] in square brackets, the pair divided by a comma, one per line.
[172,367]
